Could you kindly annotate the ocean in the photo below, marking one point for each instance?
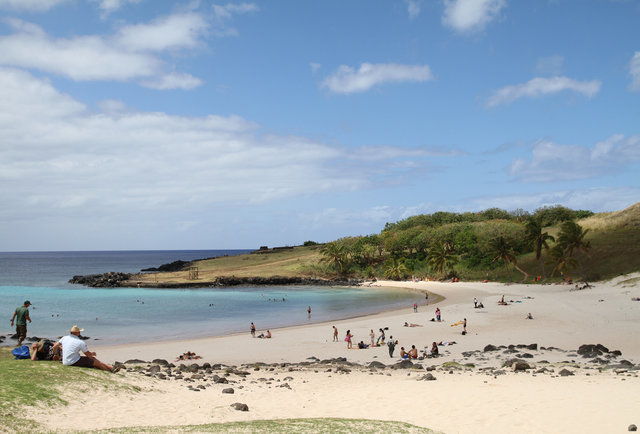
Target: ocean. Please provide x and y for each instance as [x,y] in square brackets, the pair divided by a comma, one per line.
[129,315]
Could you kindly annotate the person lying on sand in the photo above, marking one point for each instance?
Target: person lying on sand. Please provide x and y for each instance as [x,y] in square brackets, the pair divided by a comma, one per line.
[412,325]
[362,345]
[529,316]
[265,336]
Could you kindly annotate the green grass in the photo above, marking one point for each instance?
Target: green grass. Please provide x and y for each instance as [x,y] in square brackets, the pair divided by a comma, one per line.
[24,383]
[302,426]
[298,261]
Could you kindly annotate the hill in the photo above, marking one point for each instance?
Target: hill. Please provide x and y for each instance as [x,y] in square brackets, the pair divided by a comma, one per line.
[408,248]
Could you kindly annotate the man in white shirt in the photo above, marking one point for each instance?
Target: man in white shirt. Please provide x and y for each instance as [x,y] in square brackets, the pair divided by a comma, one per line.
[72,346]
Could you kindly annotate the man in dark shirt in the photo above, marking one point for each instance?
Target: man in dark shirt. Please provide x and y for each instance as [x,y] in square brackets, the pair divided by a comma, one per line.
[21,316]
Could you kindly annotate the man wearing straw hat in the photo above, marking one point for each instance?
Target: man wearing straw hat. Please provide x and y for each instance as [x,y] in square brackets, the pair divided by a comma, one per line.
[72,346]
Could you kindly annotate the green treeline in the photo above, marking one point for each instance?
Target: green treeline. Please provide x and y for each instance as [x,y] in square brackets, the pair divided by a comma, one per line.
[445,245]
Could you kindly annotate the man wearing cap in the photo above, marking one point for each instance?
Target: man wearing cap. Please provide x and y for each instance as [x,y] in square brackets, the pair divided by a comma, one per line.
[22,314]
[72,346]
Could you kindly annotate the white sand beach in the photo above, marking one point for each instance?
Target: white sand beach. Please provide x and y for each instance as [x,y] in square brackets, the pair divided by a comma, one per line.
[484,398]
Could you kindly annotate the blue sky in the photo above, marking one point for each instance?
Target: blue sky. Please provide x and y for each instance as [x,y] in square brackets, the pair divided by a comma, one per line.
[140,124]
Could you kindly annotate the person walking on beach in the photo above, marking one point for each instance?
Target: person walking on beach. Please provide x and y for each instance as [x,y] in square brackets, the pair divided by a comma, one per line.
[438,314]
[309,311]
[335,334]
[391,345]
[372,335]
[21,316]
[348,339]
[72,346]
[253,330]
[475,302]
[415,307]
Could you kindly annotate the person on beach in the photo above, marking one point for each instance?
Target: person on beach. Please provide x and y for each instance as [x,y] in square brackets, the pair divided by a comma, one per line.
[475,302]
[372,335]
[335,334]
[392,346]
[309,311]
[44,350]
[438,314]
[381,338]
[253,330]
[21,316]
[529,316]
[413,352]
[403,353]
[415,307]
[434,349]
[72,346]
[348,339]
[464,326]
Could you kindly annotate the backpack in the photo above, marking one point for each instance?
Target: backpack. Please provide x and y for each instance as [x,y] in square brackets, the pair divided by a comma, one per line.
[21,352]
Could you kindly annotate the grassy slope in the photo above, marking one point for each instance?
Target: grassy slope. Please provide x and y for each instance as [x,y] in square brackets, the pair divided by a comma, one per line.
[287,263]
[615,241]
[615,247]
[24,383]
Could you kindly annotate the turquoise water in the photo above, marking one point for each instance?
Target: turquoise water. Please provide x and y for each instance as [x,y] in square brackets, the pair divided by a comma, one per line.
[127,315]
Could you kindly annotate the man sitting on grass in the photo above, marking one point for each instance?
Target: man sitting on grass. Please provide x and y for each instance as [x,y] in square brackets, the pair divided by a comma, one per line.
[72,345]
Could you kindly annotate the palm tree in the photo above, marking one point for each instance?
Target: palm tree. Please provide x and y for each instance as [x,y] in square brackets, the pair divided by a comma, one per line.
[396,270]
[334,253]
[572,239]
[563,261]
[441,256]
[538,240]
[503,251]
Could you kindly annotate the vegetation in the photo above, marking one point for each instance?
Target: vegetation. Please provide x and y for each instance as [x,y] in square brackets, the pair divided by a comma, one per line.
[27,383]
[550,243]
[302,426]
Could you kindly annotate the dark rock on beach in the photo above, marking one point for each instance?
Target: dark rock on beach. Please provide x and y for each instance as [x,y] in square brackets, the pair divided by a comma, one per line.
[592,350]
[228,390]
[565,373]
[240,407]
[490,348]
[173,266]
[106,280]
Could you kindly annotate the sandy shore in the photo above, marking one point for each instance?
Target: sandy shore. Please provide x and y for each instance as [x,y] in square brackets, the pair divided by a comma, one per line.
[485,398]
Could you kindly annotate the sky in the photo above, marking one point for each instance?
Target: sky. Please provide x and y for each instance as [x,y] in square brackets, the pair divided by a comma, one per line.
[152,124]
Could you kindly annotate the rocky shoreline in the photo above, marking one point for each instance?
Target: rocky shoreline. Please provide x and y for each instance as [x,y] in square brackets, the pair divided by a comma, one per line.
[491,361]
[117,280]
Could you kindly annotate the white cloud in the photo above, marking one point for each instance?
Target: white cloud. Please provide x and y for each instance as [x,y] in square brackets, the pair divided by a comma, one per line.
[414,7]
[224,14]
[131,54]
[539,86]
[553,162]
[30,5]
[552,65]
[168,33]
[59,158]
[173,81]
[467,16]
[347,80]
[634,70]
[109,6]
[600,199]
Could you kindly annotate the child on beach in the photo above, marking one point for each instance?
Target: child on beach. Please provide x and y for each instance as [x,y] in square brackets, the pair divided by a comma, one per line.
[335,334]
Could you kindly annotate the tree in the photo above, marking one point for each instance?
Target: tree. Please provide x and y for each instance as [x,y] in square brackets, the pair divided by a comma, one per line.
[538,240]
[572,239]
[441,256]
[503,251]
[562,260]
[396,270]
[334,253]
